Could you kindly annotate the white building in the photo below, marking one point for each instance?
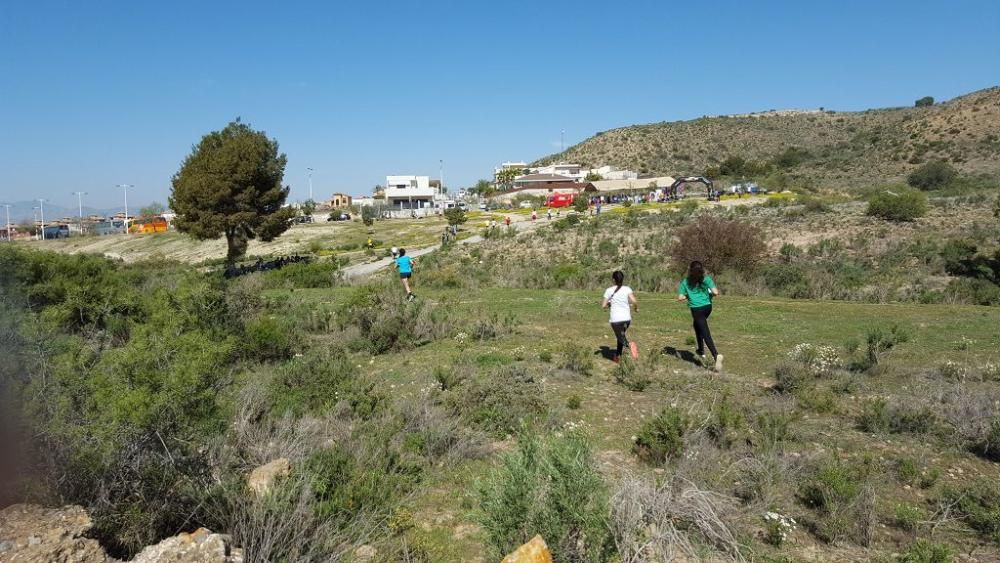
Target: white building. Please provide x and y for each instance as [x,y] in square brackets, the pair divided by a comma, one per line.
[409,192]
[574,171]
[515,165]
[612,173]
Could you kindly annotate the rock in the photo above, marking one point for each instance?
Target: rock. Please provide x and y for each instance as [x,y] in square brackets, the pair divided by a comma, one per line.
[364,554]
[261,479]
[535,551]
[200,546]
[32,534]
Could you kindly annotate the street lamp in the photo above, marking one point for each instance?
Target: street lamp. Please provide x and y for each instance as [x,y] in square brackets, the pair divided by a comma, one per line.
[79,203]
[8,206]
[125,188]
[41,209]
[310,184]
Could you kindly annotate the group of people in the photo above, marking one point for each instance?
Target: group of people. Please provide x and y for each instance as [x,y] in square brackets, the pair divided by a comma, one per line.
[261,265]
[697,290]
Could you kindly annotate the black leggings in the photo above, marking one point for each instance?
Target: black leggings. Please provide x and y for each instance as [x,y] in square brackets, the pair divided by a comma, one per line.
[701,331]
[619,329]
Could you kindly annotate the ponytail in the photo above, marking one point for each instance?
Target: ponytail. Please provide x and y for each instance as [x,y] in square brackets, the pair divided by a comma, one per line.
[619,278]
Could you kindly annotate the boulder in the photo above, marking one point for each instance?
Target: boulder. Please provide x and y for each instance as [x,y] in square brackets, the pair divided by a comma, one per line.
[261,479]
[535,551]
[365,554]
[200,546]
[33,534]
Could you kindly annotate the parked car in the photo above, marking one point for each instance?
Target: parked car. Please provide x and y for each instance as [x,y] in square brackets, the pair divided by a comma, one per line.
[526,205]
[482,207]
[340,217]
[303,219]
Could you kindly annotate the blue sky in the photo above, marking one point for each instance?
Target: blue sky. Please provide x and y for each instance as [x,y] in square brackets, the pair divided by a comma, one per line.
[94,94]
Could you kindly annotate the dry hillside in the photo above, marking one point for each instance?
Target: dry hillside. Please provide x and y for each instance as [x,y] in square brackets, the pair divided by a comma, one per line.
[838,146]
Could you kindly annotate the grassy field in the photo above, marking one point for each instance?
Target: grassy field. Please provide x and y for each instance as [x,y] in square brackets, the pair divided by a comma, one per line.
[756,336]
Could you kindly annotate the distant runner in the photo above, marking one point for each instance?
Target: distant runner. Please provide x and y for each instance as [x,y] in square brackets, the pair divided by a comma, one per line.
[405,266]
[698,289]
[395,252]
[619,299]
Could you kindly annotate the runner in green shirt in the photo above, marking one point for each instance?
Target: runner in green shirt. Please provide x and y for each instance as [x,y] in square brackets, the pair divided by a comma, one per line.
[698,289]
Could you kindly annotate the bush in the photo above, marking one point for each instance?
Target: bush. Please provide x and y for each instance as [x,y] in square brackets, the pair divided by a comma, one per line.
[721,244]
[926,551]
[773,428]
[978,505]
[580,204]
[933,175]
[500,402]
[924,102]
[880,416]
[316,274]
[838,492]
[548,487]
[576,358]
[319,380]
[455,216]
[898,204]
[662,438]
[632,375]
[386,321]
[908,517]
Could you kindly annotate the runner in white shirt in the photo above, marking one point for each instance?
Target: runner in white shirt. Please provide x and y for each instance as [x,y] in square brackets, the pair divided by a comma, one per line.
[620,299]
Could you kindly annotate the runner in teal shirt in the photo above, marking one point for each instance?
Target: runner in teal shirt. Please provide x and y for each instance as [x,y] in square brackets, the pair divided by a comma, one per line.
[698,289]
[698,296]
[405,266]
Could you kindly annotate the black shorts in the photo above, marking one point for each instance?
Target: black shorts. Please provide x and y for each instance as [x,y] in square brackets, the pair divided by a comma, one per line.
[405,275]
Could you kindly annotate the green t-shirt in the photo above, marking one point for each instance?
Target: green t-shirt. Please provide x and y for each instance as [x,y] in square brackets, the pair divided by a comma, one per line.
[697,296]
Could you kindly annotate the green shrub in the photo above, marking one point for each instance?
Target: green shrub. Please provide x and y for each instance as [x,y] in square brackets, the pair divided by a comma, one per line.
[926,101]
[318,381]
[773,429]
[499,402]
[447,378]
[978,505]
[926,551]
[576,358]
[908,517]
[898,204]
[661,438]
[268,339]
[633,376]
[302,275]
[726,422]
[549,487]
[573,402]
[880,416]
[839,492]
[493,327]
[385,321]
[933,175]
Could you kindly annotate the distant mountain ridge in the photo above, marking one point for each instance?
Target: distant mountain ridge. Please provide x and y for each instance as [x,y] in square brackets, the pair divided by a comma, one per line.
[831,148]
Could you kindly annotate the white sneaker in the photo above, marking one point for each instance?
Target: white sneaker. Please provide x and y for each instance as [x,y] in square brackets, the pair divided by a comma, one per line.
[718,362]
[701,358]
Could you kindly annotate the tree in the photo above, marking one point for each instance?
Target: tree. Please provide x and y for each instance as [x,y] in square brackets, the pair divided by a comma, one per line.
[368,214]
[230,185]
[308,207]
[484,188]
[721,244]
[153,209]
[505,178]
[924,102]
[934,175]
[455,216]
[592,177]
[580,203]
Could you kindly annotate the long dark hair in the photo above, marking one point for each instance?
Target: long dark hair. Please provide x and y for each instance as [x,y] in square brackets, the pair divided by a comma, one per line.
[696,274]
[619,277]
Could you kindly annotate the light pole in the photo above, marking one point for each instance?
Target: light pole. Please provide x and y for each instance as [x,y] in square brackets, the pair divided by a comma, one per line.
[8,206]
[41,210]
[79,203]
[562,142]
[441,178]
[310,184]
[125,188]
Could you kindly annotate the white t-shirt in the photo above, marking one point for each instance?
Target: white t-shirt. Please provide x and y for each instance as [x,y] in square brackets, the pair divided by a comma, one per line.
[618,300]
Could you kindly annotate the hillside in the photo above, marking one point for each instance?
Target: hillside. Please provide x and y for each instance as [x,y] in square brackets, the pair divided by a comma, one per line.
[838,146]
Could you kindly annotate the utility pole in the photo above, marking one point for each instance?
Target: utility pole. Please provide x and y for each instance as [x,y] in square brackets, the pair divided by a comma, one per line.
[562,142]
[441,177]
[310,184]
[41,209]
[79,203]
[8,206]
[125,188]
